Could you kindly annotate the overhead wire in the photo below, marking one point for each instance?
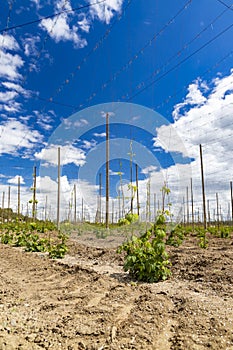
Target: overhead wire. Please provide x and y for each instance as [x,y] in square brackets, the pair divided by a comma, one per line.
[94,48]
[85,59]
[203,46]
[224,4]
[138,53]
[165,101]
[6,29]
[79,66]
[180,63]
[142,49]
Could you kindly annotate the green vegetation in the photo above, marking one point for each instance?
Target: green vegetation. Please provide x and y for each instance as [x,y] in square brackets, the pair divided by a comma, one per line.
[146,257]
[34,237]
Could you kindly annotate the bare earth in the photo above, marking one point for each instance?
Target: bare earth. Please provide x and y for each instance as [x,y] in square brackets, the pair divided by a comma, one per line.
[87,301]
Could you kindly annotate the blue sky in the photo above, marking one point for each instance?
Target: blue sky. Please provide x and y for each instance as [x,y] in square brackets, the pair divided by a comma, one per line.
[173,58]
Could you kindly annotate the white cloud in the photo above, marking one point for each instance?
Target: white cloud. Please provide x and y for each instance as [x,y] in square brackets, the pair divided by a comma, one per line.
[69,154]
[114,173]
[58,28]
[207,122]
[194,97]
[8,42]
[7,96]
[44,120]
[37,3]
[16,135]
[149,169]
[9,65]
[11,107]
[80,123]
[14,180]
[29,44]
[88,144]
[102,134]
[84,24]
[105,11]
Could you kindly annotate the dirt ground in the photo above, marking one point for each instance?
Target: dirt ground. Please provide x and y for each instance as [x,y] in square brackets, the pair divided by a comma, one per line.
[87,301]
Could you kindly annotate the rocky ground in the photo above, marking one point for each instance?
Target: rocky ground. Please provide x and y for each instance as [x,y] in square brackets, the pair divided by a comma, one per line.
[87,301]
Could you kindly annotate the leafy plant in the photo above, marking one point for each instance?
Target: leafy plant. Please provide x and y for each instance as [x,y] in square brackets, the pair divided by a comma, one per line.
[7,238]
[146,257]
[58,251]
[101,233]
[176,236]
[132,218]
[203,241]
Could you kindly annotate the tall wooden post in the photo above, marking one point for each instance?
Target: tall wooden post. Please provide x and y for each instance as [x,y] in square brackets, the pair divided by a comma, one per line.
[217,207]
[100,196]
[58,186]
[154,206]
[46,208]
[82,211]
[34,195]
[107,172]
[138,206]
[75,204]
[192,206]
[18,208]
[208,210]
[187,204]
[3,205]
[203,189]
[231,203]
[9,203]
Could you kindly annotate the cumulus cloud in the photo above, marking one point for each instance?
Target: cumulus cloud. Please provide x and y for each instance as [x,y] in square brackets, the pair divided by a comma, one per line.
[102,134]
[84,24]
[69,154]
[60,29]
[205,120]
[44,120]
[15,136]
[8,42]
[194,97]
[15,180]
[149,169]
[10,65]
[29,45]
[88,144]
[105,11]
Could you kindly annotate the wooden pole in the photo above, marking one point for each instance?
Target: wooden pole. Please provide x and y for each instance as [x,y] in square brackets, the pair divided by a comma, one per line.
[231,202]
[34,195]
[192,206]
[203,189]
[9,203]
[107,172]
[82,210]
[3,205]
[100,195]
[112,211]
[217,207]
[154,206]
[208,210]
[58,186]
[138,206]
[75,204]
[46,208]
[187,204]
[18,198]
